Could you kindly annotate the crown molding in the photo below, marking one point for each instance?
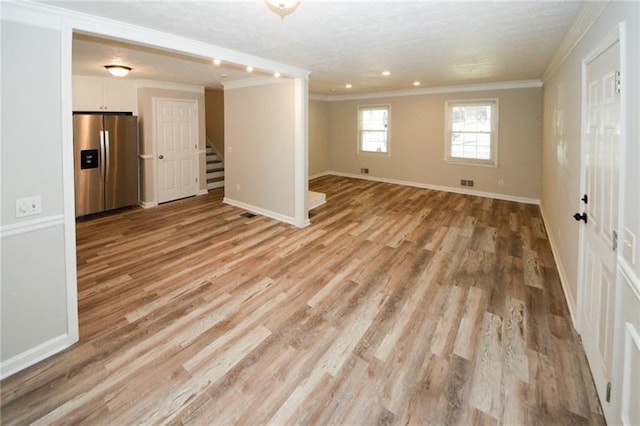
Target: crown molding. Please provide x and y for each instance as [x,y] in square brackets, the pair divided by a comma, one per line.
[504,85]
[28,13]
[585,19]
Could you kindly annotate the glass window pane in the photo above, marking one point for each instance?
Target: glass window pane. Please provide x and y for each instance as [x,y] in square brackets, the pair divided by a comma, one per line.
[374,119]
[374,141]
[475,118]
[471,145]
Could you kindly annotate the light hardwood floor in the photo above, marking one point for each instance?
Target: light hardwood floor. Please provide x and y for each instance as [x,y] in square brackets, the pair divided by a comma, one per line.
[397,305]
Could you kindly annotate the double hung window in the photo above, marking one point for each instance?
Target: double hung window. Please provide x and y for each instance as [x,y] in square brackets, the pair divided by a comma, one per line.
[373,129]
[472,132]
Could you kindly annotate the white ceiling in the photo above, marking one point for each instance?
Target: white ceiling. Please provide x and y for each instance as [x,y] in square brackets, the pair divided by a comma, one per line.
[437,43]
[91,54]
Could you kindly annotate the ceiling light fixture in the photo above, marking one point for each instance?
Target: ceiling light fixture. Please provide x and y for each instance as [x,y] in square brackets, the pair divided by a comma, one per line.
[217,62]
[249,69]
[118,70]
[282,7]
[348,86]
[276,74]
[386,73]
[416,83]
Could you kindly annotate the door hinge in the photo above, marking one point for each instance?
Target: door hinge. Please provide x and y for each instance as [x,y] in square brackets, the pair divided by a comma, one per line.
[618,82]
[615,240]
[608,398]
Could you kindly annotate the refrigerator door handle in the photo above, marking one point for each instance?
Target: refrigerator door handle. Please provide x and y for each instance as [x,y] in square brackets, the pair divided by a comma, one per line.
[103,156]
[107,150]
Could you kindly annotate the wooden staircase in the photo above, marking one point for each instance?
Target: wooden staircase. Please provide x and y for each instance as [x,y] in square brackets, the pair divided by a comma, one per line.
[215,169]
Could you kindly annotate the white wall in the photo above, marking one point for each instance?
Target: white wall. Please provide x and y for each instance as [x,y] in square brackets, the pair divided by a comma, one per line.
[34,278]
[260,142]
[214,118]
[319,130]
[417,137]
[561,162]
[561,191]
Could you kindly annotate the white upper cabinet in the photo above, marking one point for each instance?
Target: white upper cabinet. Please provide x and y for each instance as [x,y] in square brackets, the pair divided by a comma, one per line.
[104,94]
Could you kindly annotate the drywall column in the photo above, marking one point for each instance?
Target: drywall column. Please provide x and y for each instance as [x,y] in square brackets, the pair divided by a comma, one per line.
[38,317]
[301,150]
[261,147]
[319,125]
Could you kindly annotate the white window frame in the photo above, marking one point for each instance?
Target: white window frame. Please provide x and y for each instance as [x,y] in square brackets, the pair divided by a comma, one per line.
[493,161]
[359,141]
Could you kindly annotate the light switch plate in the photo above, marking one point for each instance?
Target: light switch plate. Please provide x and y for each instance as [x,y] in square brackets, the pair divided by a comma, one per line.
[629,246]
[28,206]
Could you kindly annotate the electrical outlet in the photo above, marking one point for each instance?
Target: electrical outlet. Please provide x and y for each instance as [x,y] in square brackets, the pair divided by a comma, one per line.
[364,170]
[500,182]
[469,182]
[463,182]
[28,206]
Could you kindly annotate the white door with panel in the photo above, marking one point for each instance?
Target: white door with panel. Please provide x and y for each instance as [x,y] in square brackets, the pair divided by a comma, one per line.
[176,135]
[601,171]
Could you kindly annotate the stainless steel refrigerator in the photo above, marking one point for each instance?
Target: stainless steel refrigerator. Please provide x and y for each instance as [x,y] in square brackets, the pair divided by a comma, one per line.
[106,162]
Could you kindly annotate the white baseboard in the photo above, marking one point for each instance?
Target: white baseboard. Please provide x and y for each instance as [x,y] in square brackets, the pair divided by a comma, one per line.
[258,210]
[319,175]
[571,302]
[34,355]
[504,197]
[147,205]
[202,192]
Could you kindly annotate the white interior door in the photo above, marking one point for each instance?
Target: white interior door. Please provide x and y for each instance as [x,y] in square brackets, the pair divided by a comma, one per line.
[176,127]
[598,249]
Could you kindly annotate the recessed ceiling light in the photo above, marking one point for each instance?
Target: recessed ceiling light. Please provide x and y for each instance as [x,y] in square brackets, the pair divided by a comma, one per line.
[249,69]
[348,86]
[386,73]
[276,74]
[217,61]
[416,83]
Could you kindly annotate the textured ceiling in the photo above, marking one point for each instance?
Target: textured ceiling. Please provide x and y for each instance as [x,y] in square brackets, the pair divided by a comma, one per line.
[437,43]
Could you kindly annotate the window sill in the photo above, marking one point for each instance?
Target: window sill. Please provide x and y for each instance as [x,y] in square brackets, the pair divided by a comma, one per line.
[374,154]
[463,162]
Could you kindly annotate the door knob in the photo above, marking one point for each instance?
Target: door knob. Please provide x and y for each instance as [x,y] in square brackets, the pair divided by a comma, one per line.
[580,217]
[161,156]
[585,198]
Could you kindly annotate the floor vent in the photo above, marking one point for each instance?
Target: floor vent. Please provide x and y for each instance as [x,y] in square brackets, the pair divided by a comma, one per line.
[248,215]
